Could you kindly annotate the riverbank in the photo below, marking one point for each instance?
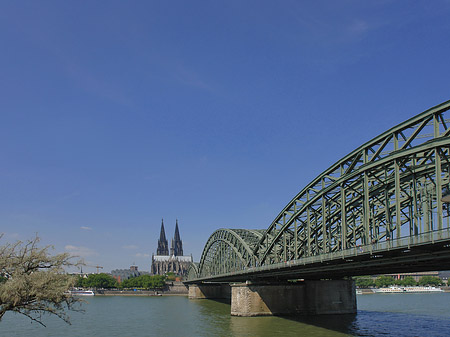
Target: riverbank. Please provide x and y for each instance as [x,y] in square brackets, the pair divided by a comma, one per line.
[172,289]
[137,293]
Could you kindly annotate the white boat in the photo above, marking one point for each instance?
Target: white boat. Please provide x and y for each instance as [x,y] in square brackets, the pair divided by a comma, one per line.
[422,289]
[394,289]
[77,292]
[390,290]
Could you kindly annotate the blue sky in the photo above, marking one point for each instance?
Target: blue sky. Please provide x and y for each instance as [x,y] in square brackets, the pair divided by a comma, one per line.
[116,114]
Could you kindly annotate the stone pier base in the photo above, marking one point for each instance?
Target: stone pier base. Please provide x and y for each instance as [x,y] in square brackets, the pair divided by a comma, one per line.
[303,298]
[209,291]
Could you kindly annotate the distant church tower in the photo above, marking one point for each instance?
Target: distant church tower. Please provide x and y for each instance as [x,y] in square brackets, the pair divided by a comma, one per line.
[163,246]
[176,262]
[177,244]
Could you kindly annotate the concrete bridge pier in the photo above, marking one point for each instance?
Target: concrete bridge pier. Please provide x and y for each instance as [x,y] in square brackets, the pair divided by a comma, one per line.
[302,298]
[210,291]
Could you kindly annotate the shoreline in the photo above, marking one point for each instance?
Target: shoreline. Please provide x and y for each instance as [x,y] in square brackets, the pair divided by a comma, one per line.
[171,289]
[146,293]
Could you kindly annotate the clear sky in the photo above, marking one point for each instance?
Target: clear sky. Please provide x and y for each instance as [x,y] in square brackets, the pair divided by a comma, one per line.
[115,114]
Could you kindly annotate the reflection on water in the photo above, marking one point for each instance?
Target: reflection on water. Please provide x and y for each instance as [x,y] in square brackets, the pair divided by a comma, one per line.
[218,315]
[378,315]
[277,326]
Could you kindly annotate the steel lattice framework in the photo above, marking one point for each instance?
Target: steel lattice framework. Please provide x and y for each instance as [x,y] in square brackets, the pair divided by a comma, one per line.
[386,190]
[229,250]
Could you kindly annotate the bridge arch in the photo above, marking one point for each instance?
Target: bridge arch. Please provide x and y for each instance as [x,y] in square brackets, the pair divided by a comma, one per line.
[229,250]
[192,272]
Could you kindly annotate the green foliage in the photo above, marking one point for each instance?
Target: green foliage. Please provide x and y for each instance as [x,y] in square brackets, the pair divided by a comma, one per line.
[145,282]
[101,280]
[364,282]
[384,281]
[387,281]
[171,276]
[408,281]
[430,281]
[79,282]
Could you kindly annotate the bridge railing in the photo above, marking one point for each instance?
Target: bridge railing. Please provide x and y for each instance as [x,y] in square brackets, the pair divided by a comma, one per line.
[374,248]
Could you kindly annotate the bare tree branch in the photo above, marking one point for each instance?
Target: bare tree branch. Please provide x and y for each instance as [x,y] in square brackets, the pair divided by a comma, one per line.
[33,282]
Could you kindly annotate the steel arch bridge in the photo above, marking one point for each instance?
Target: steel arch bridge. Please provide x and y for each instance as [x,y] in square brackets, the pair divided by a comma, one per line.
[383,207]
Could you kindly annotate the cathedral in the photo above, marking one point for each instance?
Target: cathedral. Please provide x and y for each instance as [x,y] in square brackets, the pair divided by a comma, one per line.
[175,262]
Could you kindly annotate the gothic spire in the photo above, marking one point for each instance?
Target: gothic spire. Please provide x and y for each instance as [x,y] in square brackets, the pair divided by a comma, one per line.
[177,232]
[163,245]
[177,244]
[162,235]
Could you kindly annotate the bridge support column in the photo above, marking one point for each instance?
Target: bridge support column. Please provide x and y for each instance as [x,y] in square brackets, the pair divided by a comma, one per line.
[211,291]
[309,297]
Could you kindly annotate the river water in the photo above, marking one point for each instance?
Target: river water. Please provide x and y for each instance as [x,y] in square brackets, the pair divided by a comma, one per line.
[378,315]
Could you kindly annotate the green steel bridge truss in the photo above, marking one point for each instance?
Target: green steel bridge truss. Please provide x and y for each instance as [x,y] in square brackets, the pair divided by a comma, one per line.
[385,192]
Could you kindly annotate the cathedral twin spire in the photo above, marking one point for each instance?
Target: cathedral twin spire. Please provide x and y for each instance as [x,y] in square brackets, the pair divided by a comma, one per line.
[177,244]
[163,246]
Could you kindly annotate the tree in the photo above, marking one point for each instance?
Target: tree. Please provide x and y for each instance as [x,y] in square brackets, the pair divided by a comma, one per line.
[101,280]
[430,281]
[156,281]
[144,282]
[384,281]
[79,282]
[364,282]
[408,281]
[171,276]
[33,282]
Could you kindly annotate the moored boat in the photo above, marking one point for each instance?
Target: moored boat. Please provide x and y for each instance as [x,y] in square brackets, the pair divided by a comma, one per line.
[390,290]
[422,289]
[395,289]
[77,292]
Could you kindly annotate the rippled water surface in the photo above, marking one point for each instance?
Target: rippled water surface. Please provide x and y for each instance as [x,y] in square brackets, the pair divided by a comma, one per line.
[378,315]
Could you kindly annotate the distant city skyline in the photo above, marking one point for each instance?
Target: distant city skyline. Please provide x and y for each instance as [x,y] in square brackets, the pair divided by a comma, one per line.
[114,115]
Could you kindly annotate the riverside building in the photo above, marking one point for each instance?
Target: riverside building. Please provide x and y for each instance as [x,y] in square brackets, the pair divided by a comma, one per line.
[125,274]
[164,262]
